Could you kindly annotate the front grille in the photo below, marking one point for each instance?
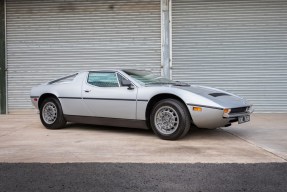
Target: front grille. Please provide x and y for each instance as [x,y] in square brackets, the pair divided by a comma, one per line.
[238,110]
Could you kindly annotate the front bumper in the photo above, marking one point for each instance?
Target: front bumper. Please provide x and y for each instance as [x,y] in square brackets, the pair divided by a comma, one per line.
[212,118]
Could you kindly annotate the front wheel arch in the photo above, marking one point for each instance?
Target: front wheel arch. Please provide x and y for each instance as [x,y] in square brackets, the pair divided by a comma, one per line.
[158,98]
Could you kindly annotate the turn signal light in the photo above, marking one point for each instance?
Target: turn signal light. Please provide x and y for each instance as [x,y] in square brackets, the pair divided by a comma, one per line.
[226,110]
[197,109]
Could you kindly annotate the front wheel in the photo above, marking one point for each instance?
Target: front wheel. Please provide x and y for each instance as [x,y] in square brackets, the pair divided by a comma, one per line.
[51,114]
[170,119]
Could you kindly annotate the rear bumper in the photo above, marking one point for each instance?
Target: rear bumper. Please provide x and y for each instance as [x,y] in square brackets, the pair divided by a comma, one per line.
[212,118]
[34,101]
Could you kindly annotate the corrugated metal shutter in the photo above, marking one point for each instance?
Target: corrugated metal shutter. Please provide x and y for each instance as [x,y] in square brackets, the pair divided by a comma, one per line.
[239,46]
[50,38]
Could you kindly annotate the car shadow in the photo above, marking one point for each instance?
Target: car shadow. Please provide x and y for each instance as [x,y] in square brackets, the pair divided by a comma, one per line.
[197,133]
[194,132]
[102,128]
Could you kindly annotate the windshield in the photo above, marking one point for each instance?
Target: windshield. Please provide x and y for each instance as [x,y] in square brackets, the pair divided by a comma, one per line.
[147,78]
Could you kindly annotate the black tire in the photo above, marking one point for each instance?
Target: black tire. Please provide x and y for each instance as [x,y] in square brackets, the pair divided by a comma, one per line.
[177,115]
[51,114]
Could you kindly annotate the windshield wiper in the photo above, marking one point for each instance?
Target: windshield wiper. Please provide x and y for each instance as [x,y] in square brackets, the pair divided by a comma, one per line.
[165,83]
[176,83]
[179,83]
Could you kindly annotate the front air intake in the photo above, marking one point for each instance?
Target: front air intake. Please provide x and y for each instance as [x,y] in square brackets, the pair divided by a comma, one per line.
[218,94]
[238,110]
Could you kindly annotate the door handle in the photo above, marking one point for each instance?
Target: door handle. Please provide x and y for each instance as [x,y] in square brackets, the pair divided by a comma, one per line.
[87,90]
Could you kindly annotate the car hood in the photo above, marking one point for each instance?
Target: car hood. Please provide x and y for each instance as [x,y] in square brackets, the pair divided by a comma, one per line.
[221,97]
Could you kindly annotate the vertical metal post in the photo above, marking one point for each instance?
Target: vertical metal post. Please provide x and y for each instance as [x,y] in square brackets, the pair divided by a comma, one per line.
[2,58]
[165,39]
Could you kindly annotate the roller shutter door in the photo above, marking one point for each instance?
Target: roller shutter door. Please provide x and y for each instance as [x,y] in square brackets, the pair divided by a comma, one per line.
[50,38]
[239,46]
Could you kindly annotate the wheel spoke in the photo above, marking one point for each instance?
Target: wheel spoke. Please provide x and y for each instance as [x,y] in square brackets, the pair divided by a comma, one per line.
[166,120]
[49,113]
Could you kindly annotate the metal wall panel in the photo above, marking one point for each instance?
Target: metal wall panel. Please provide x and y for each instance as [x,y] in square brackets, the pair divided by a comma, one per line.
[50,38]
[239,46]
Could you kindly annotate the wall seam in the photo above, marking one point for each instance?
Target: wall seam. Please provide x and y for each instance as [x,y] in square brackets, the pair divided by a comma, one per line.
[3,81]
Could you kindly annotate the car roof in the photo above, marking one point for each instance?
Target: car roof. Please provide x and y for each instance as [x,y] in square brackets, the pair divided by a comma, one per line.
[103,70]
[112,70]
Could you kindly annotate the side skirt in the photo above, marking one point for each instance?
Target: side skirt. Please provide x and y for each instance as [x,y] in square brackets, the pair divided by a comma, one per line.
[107,121]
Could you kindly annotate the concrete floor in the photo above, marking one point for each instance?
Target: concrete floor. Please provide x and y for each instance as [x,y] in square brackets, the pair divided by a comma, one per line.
[266,131]
[24,139]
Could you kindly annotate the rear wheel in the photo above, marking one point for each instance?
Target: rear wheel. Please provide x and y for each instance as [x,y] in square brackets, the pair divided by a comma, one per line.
[170,119]
[51,114]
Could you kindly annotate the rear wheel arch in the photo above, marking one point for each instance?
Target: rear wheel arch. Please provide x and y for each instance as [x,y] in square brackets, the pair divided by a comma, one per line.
[51,113]
[45,96]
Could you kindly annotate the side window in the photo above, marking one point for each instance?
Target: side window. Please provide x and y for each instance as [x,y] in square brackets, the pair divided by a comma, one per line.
[121,79]
[103,79]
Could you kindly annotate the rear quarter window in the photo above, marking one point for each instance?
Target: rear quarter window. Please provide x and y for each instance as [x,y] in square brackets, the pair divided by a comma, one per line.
[68,78]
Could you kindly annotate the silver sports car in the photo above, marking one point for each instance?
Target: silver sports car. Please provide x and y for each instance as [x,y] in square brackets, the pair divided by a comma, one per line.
[139,99]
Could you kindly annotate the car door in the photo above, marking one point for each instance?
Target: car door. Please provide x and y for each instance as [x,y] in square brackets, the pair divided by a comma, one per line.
[104,96]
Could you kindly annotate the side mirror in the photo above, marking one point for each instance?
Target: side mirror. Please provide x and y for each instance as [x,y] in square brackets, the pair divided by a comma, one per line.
[128,84]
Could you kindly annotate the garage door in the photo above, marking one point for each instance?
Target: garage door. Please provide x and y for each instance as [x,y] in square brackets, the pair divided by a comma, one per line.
[239,46]
[48,38]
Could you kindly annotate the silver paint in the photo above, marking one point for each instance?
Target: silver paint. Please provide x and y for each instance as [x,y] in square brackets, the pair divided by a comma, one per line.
[120,102]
